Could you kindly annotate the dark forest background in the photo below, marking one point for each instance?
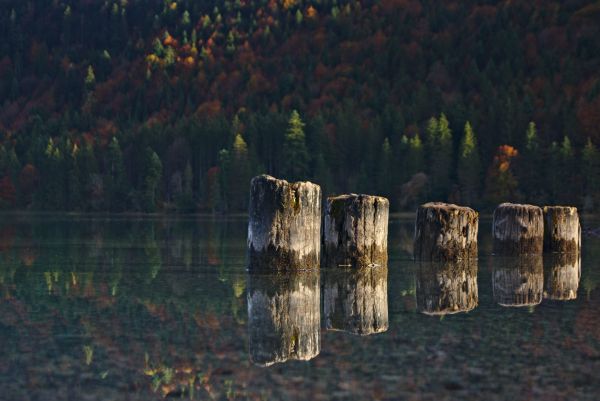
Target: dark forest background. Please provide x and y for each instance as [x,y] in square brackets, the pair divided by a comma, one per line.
[131,105]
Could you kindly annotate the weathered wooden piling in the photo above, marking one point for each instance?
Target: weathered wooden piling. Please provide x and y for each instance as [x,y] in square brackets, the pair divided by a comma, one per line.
[284,228]
[445,232]
[518,229]
[518,281]
[562,274]
[356,301]
[284,317]
[562,231]
[447,287]
[355,229]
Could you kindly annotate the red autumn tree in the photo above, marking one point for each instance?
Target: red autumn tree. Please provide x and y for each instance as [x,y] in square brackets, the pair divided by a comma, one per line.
[501,184]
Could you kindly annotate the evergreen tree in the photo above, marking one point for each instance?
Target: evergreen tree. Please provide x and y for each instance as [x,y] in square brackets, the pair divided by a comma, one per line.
[590,169]
[221,199]
[240,174]
[566,172]
[385,170]
[90,78]
[415,159]
[295,154]
[185,200]
[469,167]
[74,194]
[115,180]
[51,195]
[152,180]
[440,151]
[552,165]
[531,176]
[88,174]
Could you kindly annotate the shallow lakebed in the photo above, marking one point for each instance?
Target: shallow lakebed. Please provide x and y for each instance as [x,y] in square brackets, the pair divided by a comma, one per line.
[124,308]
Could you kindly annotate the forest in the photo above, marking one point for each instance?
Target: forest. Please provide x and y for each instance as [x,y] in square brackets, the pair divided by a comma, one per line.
[164,105]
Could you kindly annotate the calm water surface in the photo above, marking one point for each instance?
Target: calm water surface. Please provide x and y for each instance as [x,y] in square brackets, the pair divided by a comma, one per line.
[140,309]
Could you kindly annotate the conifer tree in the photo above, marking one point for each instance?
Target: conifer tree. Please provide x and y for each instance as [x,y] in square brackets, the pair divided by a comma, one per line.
[529,171]
[415,157]
[566,173]
[185,200]
[590,169]
[240,174]
[552,165]
[115,183]
[73,192]
[90,78]
[221,195]
[295,153]
[469,167]
[440,153]
[152,180]
[385,170]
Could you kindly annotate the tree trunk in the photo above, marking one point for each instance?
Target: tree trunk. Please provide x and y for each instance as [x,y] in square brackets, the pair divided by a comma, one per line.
[563,272]
[518,229]
[562,232]
[355,229]
[356,301]
[447,287]
[518,281]
[284,317]
[445,232]
[284,225]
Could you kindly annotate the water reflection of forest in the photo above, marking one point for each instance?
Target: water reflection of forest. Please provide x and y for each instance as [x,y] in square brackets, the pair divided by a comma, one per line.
[160,303]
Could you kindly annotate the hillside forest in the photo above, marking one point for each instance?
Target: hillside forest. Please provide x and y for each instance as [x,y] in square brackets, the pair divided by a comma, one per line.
[164,105]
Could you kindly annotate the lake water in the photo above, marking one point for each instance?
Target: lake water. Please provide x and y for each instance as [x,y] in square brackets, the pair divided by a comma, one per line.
[98,308]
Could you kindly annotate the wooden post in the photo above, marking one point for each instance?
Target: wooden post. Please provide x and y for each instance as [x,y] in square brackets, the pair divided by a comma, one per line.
[284,318]
[445,232]
[355,229]
[356,301]
[563,272]
[518,229]
[562,232]
[518,281]
[447,287]
[284,225]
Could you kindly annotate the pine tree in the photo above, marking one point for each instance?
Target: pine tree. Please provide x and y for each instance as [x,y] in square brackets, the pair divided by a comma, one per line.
[552,166]
[152,180]
[185,200]
[221,199]
[295,154]
[74,187]
[90,78]
[385,170]
[469,167]
[590,168]
[51,195]
[440,152]
[567,172]
[529,171]
[115,183]
[240,174]
[415,159]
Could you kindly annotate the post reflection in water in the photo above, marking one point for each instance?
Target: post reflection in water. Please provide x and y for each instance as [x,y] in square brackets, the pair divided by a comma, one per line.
[284,317]
[518,281]
[563,272]
[447,287]
[356,301]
